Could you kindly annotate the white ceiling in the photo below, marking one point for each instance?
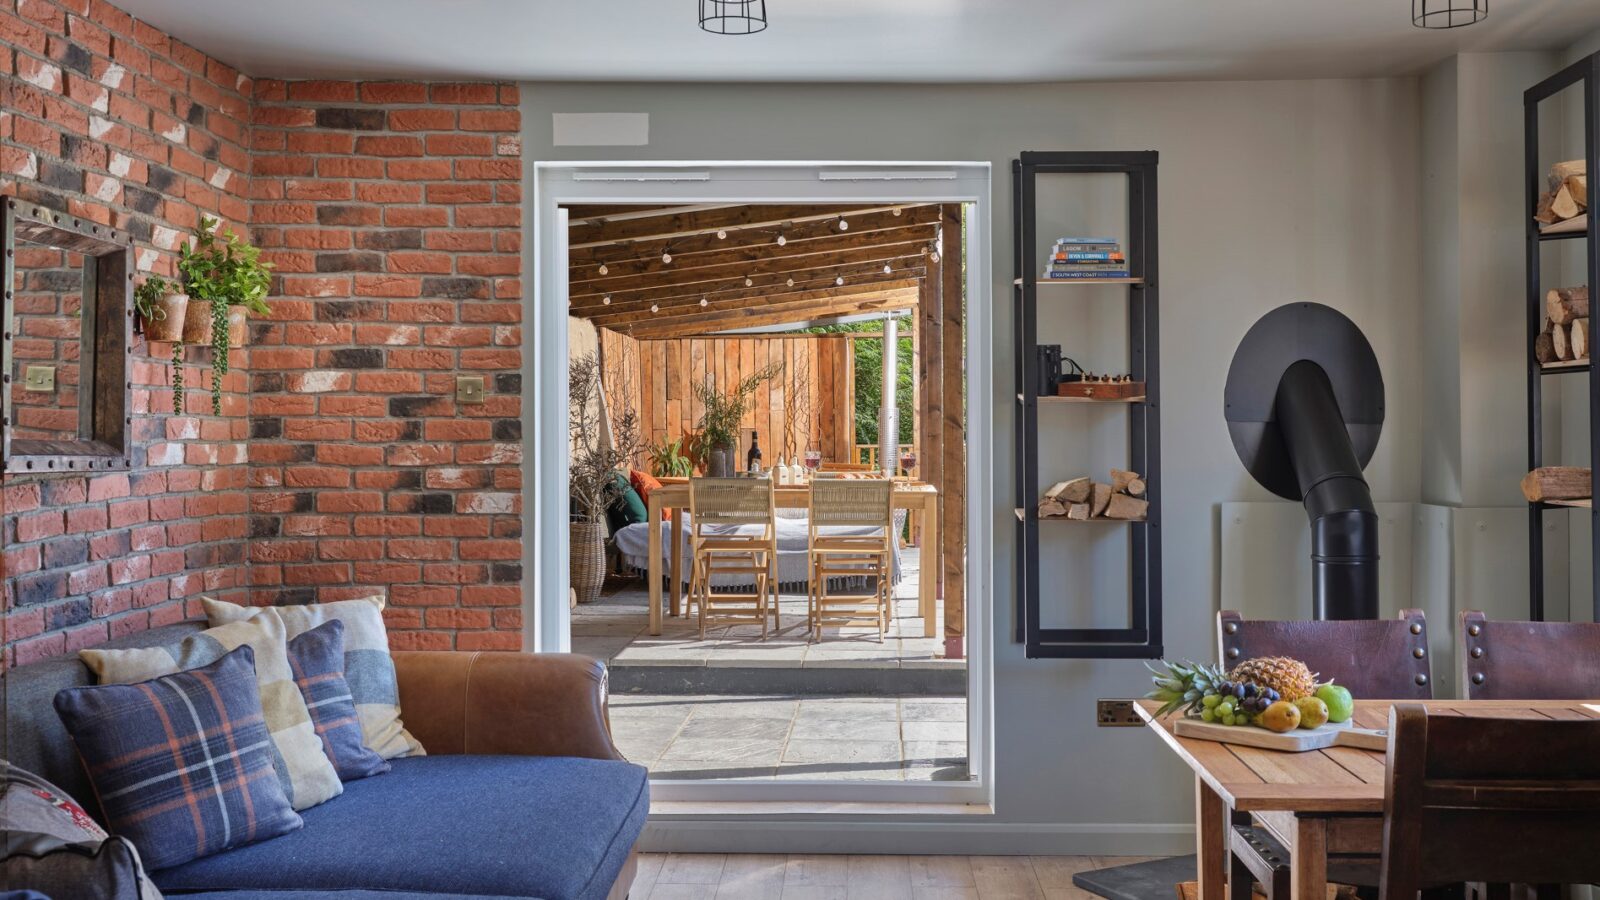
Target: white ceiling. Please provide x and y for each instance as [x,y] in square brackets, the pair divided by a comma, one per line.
[850,40]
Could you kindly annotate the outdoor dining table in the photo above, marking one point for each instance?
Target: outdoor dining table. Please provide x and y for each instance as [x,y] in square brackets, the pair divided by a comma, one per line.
[911,495]
[1317,802]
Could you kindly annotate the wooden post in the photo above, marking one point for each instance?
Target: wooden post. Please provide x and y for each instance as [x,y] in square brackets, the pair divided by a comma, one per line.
[930,408]
[953,469]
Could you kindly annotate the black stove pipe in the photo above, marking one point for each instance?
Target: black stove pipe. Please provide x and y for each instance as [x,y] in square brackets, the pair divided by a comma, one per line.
[1344,524]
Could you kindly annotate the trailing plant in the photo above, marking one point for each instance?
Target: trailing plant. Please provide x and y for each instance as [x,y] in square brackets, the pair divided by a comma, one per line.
[222,269]
[147,297]
[596,461]
[724,410]
[668,459]
[177,377]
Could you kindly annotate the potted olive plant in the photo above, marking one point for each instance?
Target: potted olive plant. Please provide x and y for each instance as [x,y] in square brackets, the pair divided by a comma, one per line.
[225,273]
[723,411]
[598,473]
[162,307]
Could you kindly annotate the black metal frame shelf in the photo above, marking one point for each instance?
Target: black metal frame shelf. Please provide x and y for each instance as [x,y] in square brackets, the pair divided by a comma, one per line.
[1142,639]
[1585,72]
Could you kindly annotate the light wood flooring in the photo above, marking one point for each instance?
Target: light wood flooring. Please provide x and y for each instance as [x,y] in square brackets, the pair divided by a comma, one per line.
[716,876]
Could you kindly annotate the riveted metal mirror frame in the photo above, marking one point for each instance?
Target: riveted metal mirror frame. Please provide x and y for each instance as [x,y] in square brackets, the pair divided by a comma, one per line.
[105,394]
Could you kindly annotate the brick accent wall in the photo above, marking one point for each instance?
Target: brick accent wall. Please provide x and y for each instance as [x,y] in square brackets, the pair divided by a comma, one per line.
[393,212]
[342,465]
[110,120]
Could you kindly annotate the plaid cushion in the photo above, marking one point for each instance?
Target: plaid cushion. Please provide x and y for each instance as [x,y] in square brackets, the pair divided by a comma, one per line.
[317,660]
[367,664]
[181,764]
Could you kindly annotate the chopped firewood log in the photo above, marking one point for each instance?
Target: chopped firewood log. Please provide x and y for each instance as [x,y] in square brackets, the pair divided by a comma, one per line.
[1542,212]
[1557,483]
[1128,508]
[1078,512]
[1563,305]
[1578,187]
[1121,478]
[1578,338]
[1544,348]
[1559,341]
[1563,205]
[1561,171]
[1073,490]
[1050,509]
[1100,499]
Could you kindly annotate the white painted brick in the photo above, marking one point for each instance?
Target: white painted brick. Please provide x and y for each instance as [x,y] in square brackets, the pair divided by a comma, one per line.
[319,382]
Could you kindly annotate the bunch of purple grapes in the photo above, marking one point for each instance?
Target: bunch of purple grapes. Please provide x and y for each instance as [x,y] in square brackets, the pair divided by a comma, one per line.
[1248,697]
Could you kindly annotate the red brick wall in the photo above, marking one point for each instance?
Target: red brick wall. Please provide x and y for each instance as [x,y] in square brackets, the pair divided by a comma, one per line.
[343,464]
[110,120]
[393,213]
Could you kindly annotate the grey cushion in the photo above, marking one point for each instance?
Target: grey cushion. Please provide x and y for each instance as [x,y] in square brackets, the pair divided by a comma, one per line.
[34,738]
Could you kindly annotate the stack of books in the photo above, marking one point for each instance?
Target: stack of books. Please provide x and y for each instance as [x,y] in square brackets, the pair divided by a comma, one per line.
[1086,257]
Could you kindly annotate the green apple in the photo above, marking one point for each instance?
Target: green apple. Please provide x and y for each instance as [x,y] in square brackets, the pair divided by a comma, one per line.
[1341,706]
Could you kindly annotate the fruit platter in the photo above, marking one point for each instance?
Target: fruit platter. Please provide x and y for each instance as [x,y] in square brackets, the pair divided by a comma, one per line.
[1272,702]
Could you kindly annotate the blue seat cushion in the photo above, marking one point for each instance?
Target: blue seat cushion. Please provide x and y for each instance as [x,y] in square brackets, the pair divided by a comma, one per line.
[510,826]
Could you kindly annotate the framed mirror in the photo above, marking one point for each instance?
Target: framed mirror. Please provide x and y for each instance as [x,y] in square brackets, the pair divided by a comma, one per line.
[68,282]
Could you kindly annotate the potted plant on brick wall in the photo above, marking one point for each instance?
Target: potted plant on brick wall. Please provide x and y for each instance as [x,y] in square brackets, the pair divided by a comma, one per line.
[602,448]
[163,306]
[224,272]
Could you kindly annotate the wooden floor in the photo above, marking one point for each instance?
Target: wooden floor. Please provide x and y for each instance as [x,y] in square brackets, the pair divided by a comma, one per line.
[716,876]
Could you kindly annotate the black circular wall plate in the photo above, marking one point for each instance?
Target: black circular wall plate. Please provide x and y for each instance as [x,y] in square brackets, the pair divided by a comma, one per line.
[1276,341]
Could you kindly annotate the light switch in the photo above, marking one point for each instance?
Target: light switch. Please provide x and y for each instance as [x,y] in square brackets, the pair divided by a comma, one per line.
[469,389]
[39,378]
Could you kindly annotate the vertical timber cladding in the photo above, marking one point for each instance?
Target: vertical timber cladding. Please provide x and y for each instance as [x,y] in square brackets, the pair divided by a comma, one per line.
[941,416]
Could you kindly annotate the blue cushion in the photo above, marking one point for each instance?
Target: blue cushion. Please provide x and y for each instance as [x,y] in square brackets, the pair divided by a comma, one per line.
[520,826]
[182,764]
[317,660]
[318,895]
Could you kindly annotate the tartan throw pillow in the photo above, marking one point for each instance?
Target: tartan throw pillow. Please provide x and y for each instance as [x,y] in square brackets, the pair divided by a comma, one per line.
[182,763]
[317,659]
[48,842]
[367,664]
[307,776]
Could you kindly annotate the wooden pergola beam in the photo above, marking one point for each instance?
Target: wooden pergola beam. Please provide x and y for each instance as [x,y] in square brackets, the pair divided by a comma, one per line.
[778,314]
[588,273]
[599,233]
[791,265]
[754,301]
[760,286]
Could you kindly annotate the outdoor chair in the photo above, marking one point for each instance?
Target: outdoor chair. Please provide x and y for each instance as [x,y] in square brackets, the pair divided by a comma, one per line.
[862,504]
[733,533]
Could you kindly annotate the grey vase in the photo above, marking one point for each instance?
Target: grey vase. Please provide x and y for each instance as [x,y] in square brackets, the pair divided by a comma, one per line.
[720,465]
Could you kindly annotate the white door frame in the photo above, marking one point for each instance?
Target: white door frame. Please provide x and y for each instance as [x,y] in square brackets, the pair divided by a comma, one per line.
[546,614]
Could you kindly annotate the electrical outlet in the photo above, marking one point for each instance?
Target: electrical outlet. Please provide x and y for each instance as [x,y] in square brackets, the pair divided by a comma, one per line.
[1116,714]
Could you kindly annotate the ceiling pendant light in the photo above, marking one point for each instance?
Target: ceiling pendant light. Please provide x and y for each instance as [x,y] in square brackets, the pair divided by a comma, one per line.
[749,282]
[844,224]
[886,269]
[604,270]
[722,234]
[790,282]
[655,307]
[606,300]
[666,258]
[782,240]
[839,281]
[1440,14]
[933,255]
[733,16]
[704,301]
[897,212]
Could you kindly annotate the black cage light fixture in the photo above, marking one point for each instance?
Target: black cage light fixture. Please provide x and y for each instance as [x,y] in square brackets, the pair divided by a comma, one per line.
[1448,13]
[736,16]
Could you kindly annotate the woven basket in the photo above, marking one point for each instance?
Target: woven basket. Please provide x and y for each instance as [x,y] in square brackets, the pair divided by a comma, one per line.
[588,558]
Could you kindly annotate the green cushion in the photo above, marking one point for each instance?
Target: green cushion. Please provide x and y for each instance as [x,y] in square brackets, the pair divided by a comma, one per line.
[628,508]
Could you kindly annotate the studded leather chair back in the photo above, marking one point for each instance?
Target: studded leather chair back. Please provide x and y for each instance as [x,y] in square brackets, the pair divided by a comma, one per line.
[1509,660]
[1377,659]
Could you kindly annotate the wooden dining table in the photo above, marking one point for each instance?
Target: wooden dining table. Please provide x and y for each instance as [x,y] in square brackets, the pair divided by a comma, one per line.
[1317,803]
[916,496]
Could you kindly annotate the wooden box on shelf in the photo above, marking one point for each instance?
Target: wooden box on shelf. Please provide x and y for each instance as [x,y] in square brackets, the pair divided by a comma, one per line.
[1101,390]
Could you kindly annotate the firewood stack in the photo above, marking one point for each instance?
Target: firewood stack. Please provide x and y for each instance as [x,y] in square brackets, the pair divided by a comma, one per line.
[1562,207]
[1557,483]
[1566,327]
[1082,499]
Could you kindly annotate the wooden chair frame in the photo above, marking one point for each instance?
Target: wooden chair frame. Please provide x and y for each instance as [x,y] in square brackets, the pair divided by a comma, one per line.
[722,502]
[1509,660]
[859,502]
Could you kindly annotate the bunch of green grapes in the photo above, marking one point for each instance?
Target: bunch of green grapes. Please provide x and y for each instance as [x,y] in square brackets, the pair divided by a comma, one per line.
[1226,709]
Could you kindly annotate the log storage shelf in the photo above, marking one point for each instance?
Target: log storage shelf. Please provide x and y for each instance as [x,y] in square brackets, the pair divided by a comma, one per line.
[1558,314]
[1136,508]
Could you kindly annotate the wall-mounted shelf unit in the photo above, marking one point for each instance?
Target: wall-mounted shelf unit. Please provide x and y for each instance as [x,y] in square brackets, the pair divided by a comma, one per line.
[1141,639]
[1583,75]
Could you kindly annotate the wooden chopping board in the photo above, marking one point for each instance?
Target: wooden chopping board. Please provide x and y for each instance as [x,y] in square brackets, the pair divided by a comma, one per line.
[1296,741]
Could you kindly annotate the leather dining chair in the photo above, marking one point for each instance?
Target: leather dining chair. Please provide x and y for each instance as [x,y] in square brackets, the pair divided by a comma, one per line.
[1509,660]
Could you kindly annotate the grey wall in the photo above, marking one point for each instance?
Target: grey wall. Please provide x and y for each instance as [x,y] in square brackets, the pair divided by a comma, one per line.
[1270,192]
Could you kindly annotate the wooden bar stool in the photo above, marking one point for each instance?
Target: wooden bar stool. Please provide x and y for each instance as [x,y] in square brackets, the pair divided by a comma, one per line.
[733,532]
[861,504]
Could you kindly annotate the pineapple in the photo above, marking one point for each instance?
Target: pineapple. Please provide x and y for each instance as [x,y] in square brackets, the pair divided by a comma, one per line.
[1289,677]
[1183,684]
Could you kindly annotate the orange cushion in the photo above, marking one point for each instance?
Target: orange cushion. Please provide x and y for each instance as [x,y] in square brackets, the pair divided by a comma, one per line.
[644,483]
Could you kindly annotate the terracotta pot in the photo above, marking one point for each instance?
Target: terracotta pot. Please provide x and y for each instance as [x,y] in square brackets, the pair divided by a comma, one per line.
[169,320]
[587,555]
[237,328]
[197,328]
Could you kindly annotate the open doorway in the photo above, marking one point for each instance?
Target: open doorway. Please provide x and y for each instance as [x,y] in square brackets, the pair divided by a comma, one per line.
[837,329]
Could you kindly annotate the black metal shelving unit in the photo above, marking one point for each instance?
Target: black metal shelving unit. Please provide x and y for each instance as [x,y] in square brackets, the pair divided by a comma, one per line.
[1585,72]
[1142,638]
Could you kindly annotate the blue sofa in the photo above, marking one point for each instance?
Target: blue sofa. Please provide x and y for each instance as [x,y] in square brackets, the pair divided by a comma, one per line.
[522,793]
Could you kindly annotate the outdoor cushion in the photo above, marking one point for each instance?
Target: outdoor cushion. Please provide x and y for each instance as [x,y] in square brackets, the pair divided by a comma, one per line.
[556,828]
[627,507]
